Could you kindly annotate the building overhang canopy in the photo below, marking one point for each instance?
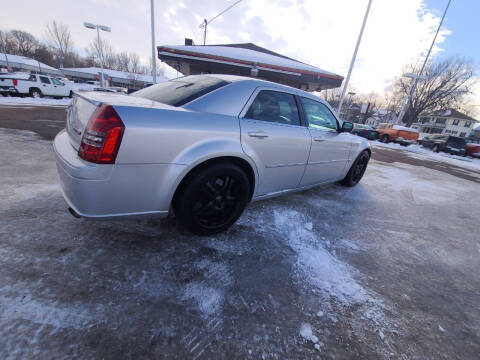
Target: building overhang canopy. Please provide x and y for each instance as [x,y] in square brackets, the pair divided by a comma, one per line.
[248,60]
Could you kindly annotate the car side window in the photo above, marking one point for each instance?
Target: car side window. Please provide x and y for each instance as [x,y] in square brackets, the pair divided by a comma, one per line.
[274,106]
[44,80]
[318,115]
[56,82]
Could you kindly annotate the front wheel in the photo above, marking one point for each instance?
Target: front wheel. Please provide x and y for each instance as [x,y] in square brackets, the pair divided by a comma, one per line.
[357,170]
[211,199]
[436,148]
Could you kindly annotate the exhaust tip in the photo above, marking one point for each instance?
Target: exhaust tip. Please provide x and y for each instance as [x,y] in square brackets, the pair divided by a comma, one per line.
[74,213]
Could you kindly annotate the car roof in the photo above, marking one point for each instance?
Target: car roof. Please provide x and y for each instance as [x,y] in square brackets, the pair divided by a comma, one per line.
[261,82]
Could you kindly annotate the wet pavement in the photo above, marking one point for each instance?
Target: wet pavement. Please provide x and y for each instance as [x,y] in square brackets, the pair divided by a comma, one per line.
[387,269]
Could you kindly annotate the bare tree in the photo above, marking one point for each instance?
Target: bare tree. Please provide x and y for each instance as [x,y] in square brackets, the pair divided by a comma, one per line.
[60,39]
[8,44]
[123,61]
[447,84]
[23,43]
[102,53]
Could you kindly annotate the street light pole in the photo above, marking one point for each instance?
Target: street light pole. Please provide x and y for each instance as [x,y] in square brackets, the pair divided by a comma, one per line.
[154,60]
[415,82]
[100,47]
[352,62]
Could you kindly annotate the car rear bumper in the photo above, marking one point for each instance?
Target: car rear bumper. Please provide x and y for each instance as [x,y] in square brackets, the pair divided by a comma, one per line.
[111,191]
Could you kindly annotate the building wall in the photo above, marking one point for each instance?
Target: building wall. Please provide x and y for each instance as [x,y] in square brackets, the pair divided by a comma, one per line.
[444,125]
[458,127]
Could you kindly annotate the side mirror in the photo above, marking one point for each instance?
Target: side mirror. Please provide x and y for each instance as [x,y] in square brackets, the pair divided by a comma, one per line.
[347,126]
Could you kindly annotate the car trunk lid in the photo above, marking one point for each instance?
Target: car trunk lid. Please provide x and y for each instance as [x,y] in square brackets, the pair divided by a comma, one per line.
[85,103]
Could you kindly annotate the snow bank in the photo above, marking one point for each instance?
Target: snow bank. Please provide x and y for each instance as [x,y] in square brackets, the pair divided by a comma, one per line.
[45,101]
[422,153]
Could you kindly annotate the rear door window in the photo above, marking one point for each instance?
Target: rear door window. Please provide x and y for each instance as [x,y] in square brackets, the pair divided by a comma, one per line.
[44,80]
[274,106]
[181,91]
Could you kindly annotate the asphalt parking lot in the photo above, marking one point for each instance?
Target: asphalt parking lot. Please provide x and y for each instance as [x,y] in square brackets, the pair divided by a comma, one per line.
[388,269]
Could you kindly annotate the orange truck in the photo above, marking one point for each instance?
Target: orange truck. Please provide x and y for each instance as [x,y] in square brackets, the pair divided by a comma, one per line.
[396,133]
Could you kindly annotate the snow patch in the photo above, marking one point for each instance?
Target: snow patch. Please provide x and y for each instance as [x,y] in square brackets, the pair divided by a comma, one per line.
[307,333]
[421,153]
[45,101]
[319,267]
[208,300]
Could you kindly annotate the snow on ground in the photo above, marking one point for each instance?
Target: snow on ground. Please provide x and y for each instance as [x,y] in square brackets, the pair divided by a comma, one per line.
[422,153]
[45,101]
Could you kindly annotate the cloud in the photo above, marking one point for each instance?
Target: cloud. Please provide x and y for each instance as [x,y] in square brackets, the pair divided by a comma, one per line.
[319,32]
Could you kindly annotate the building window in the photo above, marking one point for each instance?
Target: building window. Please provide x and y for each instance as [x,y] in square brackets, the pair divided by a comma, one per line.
[467,124]
[462,134]
[455,122]
[440,120]
[424,120]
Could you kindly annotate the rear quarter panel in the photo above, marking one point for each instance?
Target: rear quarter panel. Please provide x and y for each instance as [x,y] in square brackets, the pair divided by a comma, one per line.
[180,137]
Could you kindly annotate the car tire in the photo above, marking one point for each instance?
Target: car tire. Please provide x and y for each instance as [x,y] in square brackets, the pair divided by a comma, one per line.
[70,95]
[212,198]
[357,170]
[436,148]
[35,93]
[385,139]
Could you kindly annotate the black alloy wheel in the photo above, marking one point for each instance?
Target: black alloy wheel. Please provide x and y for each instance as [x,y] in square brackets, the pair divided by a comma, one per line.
[357,170]
[212,199]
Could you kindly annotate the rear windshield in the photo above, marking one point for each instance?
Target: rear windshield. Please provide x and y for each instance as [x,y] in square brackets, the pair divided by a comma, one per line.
[180,91]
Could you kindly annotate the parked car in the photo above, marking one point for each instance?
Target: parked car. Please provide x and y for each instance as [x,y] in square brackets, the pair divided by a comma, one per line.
[365,131]
[396,133]
[203,146]
[40,85]
[473,147]
[446,143]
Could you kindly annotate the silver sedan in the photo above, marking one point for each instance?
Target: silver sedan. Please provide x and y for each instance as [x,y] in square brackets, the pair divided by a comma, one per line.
[201,146]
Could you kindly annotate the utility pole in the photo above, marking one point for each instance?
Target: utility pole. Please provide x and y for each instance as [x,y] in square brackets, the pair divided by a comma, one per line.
[352,62]
[205,23]
[154,58]
[419,76]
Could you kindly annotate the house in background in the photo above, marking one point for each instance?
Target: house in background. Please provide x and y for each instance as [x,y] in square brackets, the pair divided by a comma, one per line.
[382,116]
[449,122]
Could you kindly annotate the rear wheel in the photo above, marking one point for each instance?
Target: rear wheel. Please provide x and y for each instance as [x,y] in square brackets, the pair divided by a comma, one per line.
[35,93]
[357,170]
[70,95]
[385,139]
[211,199]
[436,148]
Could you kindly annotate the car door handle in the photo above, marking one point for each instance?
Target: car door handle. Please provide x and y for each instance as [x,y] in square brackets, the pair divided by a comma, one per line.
[319,139]
[258,134]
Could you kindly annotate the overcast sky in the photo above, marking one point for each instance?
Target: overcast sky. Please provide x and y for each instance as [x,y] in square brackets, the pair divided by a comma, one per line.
[320,32]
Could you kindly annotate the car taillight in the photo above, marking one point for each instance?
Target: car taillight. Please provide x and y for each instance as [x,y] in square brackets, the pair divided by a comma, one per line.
[102,137]
[15,82]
